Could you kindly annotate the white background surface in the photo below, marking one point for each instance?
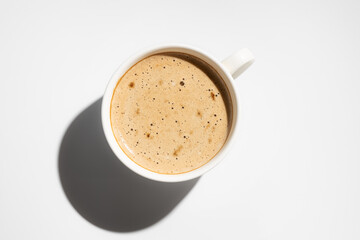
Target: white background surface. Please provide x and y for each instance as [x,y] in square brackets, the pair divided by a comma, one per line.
[294,173]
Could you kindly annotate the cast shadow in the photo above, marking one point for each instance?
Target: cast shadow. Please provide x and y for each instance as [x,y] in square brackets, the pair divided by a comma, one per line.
[103,190]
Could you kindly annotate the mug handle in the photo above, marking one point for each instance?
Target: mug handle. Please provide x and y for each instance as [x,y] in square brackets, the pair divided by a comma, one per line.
[238,62]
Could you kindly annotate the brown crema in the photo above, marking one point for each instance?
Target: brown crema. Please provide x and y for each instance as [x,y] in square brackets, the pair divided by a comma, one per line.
[170,113]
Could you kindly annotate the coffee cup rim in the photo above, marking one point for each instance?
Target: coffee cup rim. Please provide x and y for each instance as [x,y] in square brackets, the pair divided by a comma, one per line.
[122,69]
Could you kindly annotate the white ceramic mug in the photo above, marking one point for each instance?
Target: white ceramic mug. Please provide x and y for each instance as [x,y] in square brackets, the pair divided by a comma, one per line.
[228,69]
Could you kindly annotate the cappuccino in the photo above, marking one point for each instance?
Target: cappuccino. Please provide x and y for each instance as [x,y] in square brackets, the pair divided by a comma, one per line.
[170,113]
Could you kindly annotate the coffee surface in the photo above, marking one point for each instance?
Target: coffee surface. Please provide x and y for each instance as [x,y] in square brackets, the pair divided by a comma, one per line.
[170,113]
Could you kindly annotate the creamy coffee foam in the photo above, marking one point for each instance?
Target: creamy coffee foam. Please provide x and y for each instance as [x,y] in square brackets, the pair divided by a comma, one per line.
[170,113]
